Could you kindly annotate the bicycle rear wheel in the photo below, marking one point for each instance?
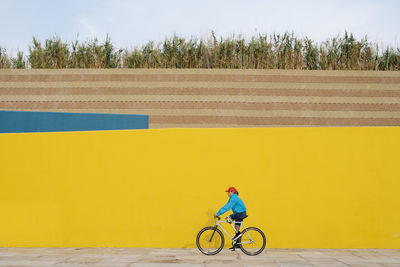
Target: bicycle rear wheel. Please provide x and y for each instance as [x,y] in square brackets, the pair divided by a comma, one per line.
[253,241]
[210,241]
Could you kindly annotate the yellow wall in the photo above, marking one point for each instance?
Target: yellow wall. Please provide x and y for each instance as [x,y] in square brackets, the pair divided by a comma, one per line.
[304,187]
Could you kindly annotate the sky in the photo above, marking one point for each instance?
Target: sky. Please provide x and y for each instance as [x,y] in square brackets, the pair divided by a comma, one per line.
[132,23]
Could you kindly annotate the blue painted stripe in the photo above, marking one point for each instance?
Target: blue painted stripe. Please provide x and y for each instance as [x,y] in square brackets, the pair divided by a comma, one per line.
[30,121]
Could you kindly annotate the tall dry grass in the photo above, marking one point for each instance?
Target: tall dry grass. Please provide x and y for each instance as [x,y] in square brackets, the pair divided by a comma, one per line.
[5,62]
[275,51]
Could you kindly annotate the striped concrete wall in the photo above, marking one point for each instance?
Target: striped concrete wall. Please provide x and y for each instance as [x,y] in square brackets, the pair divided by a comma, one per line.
[212,98]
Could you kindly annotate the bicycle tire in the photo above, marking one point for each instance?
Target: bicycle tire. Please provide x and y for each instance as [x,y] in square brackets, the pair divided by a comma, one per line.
[203,231]
[247,252]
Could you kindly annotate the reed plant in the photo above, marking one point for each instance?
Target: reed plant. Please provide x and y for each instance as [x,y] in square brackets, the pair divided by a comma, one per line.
[274,51]
[19,61]
[390,60]
[54,54]
[92,54]
[5,62]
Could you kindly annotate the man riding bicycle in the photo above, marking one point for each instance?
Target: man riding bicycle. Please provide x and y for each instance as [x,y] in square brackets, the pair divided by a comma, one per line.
[239,212]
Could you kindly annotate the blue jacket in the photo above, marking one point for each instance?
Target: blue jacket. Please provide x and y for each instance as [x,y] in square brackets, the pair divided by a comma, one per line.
[235,203]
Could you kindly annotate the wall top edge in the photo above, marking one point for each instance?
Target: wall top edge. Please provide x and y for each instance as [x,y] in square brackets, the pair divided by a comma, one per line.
[204,71]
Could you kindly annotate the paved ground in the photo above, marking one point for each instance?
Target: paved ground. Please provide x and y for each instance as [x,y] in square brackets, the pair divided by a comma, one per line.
[192,257]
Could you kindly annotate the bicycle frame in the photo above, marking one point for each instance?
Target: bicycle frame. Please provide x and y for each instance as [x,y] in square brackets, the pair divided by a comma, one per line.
[231,223]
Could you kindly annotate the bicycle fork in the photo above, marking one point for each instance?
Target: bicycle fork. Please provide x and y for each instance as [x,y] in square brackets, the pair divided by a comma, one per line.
[215,229]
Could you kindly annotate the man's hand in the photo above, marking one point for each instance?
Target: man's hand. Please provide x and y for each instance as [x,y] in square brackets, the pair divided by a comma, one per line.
[215,216]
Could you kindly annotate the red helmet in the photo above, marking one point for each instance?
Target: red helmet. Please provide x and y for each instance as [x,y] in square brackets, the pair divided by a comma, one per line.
[231,189]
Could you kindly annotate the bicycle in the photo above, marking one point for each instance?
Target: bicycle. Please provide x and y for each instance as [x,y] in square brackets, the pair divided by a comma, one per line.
[210,240]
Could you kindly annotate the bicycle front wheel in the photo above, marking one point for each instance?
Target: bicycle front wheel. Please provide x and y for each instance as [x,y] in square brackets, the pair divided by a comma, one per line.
[210,241]
[253,241]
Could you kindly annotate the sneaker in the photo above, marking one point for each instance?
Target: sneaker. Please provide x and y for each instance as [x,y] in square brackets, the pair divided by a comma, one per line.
[234,246]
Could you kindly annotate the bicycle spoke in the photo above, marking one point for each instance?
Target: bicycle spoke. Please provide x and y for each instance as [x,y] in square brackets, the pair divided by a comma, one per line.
[252,241]
[209,241]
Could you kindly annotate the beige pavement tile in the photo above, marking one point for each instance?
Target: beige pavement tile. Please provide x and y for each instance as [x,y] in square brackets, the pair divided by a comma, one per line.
[131,251]
[381,259]
[62,251]
[330,263]
[165,265]
[27,263]
[115,264]
[19,257]
[290,259]
[216,262]
[223,265]
[369,253]
[256,260]
[169,261]
[366,265]
[292,264]
[320,259]
[281,251]
[336,252]
[314,254]
[221,256]
[371,261]
[7,254]
[270,264]
[82,259]
[118,259]
[74,264]
[349,259]
[388,251]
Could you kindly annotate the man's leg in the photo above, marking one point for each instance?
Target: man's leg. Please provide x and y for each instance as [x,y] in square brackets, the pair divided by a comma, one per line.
[237,228]
[235,242]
